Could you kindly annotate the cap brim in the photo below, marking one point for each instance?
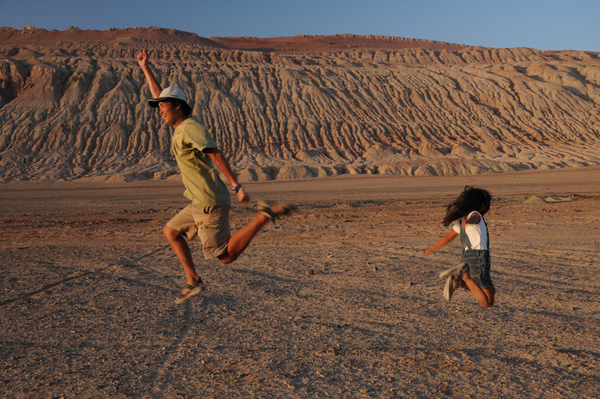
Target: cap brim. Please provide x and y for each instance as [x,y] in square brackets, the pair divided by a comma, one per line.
[154,102]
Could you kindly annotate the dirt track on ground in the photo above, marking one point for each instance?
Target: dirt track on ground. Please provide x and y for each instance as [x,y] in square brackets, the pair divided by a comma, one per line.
[336,301]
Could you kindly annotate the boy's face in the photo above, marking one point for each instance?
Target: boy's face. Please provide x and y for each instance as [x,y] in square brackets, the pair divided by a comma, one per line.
[169,113]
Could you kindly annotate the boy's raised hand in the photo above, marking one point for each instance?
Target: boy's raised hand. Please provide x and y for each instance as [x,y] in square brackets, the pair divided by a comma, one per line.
[143,58]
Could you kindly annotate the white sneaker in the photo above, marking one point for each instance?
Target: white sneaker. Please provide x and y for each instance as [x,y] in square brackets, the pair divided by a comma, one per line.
[454,271]
[449,288]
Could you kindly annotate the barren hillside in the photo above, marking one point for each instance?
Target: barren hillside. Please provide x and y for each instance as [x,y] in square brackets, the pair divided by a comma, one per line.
[73,105]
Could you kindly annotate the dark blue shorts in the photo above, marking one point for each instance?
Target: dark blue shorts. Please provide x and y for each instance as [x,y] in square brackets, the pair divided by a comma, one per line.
[479,266]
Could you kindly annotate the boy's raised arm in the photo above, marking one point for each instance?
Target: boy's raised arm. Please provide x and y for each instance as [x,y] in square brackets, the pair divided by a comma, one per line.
[144,61]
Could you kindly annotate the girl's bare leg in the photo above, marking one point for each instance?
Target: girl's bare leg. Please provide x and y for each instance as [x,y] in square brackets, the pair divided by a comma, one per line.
[485,296]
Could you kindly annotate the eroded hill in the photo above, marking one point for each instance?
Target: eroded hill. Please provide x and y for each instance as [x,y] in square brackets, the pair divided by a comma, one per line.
[73,105]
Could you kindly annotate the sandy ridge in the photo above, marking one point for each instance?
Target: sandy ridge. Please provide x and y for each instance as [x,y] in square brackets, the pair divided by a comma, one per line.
[76,108]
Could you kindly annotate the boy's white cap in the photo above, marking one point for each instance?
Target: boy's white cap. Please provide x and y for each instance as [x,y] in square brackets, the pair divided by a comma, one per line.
[169,93]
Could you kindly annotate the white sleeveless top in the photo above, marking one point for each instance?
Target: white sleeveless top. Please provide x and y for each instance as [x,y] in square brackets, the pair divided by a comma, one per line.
[477,233]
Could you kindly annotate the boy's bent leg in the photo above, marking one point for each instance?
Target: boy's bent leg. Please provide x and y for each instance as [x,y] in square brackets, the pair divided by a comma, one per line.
[182,250]
[242,238]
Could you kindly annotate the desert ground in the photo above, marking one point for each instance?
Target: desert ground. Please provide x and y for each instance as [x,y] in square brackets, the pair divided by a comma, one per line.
[338,300]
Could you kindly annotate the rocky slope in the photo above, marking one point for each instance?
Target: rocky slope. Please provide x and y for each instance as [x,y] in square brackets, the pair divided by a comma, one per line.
[73,105]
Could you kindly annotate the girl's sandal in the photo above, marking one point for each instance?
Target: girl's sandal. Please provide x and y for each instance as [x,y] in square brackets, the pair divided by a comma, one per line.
[193,289]
[275,211]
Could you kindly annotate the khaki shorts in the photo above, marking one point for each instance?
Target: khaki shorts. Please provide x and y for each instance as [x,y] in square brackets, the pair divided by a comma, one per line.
[210,223]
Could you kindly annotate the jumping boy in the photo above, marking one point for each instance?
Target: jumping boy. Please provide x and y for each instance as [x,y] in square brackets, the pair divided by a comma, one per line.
[208,213]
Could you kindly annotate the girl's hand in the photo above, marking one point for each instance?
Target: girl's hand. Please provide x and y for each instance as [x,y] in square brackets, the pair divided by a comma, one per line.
[443,241]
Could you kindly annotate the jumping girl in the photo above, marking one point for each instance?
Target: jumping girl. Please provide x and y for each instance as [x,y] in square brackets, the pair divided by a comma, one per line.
[465,215]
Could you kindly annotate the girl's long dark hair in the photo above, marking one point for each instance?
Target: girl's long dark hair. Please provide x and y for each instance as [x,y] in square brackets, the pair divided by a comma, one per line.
[471,199]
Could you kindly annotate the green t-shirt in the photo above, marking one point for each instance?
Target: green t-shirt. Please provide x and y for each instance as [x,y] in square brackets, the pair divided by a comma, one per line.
[203,186]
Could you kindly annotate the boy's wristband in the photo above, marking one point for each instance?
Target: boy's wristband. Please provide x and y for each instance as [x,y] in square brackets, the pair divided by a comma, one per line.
[237,188]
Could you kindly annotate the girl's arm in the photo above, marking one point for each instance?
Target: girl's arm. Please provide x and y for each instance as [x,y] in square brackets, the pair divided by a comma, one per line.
[443,241]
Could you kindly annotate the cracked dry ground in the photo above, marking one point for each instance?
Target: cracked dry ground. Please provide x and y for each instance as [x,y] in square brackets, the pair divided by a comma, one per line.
[336,301]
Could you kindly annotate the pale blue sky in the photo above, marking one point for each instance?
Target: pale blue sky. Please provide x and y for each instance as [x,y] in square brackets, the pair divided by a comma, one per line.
[541,24]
